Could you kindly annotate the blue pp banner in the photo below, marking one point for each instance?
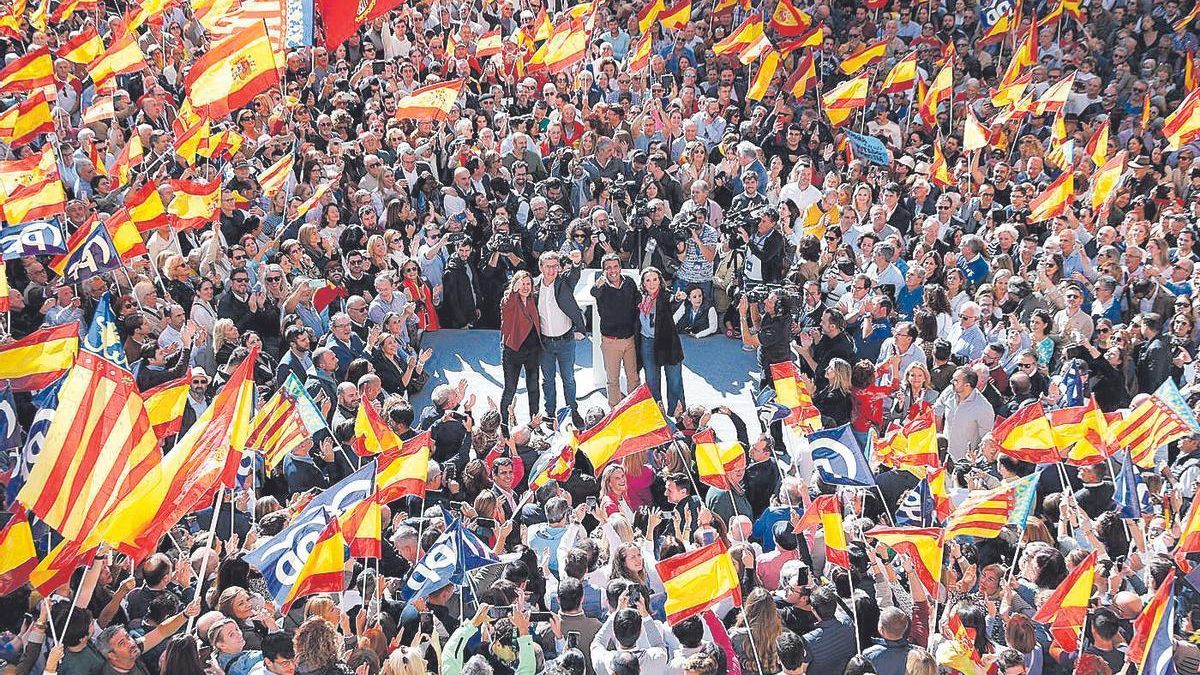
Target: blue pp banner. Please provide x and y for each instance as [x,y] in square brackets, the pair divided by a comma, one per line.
[870,149]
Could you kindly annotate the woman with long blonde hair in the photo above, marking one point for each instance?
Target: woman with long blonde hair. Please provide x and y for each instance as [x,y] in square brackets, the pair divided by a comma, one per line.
[520,341]
[759,619]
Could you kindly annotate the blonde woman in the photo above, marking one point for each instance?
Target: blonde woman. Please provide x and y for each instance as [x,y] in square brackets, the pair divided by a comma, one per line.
[224,340]
[404,661]
[915,390]
[614,491]
[695,166]
[833,400]
[318,647]
[759,619]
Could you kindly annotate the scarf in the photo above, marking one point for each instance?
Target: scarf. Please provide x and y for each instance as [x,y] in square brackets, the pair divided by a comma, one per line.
[646,306]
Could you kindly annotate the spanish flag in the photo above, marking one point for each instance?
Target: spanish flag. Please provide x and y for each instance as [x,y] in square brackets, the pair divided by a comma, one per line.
[31,71]
[24,122]
[35,168]
[648,14]
[1082,434]
[146,207]
[233,72]
[941,89]
[983,514]
[724,5]
[676,16]
[1152,648]
[1026,54]
[165,405]
[1054,200]
[1026,435]
[67,9]
[317,195]
[697,580]
[848,95]
[634,425]
[362,526]
[101,110]
[488,44]
[566,48]
[38,201]
[715,461]
[975,135]
[191,143]
[1055,98]
[792,392]
[825,513]
[187,477]
[766,73]
[131,156]
[814,38]
[915,442]
[1190,79]
[1183,125]
[999,29]
[194,204]
[18,557]
[901,77]
[1105,180]
[83,48]
[274,177]
[432,102]
[1066,609]
[741,37]
[143,12]
[864,57]
[123,57]
[56,569]
[804,77]
[788,20]
[5,300]
[939,172]
[404,470]
[1182,24]
[36,360]
[324,571]
[124,235]
[1011,93]
[639,59]
[371,434]
[277,429]
[923,546]
[99,445]
[1097,145]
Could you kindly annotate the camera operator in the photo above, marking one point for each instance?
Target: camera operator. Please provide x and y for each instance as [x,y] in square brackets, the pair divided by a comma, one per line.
[502,255]
[773,328]
[700,202]
[546,229]
[764,250]
[751,199]
[602,239]
[701,240]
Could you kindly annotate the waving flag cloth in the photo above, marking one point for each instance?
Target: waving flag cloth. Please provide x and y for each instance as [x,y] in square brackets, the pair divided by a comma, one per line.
[165,405]
[1127,489]
[24,122]
[1163,417]
[789,20]
[102,338]
[697,580]
[838,459]
[432,102]
[864,57]
[923,546]
[32,71]
[347,493]
[914,443]
[41,237]
[277,429]
[90,253]
[902,76]
[404,471]
[634,425]
[36,360]
[281,558]
[362,526]
[1082,434]
[324,571]
[46,401]
[983,514]
[371,434]
[1026,435]
[792,393]
[54,571]
[715,461]
[1152,648]
[916,506]
[558,462]
[18,557]
[447,562]
[233,71]
[10,429]
[1066,609]
[99,446]
[341,18]
[188,477]
[825,514]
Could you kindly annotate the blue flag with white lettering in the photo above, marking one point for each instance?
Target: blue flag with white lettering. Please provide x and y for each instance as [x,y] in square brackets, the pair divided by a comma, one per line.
[280,558]
[838,459]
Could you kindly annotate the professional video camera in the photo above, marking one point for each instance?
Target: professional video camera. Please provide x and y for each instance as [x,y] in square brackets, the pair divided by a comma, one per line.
[687,222]
[789,300]
[504,243]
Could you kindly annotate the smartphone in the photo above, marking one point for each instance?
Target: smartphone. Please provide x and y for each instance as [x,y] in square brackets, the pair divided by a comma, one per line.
[427,623]
[591,503]
[668,517]
[499,611]
[540,617]
[486,522]
[377,67]
[573,639]
[668,82]
[205,653]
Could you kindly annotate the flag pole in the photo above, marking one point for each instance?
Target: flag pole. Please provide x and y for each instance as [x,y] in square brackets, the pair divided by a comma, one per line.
[212,532]
[687,466]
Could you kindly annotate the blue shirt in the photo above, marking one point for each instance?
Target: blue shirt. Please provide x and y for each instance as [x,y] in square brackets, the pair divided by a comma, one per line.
[976,271]
[908,301]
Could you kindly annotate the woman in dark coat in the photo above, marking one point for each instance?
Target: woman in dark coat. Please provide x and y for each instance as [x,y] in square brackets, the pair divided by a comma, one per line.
[659,347]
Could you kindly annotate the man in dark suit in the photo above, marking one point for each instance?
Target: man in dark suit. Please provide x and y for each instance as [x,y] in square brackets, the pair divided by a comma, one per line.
[1152,358]
[898,216]
[561,324]
[460,289]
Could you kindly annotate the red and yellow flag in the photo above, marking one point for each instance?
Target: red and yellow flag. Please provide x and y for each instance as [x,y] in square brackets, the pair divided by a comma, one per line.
[84,48]
[55,570]
[1104,181]
[233,72]
[1183,125]
[193,204]
[676,16]
[95,453]
[1082,434]
[123,57]
[741,37]
[274,177]
[983,514]
[124,235]
[939,171]
[789,20]
[915,442]
[697,580]
[67,9]
[1009,94]
[31,71]
[18,557]
[825,514]
[24,122]
[902,76]
[941,89]
[923,546]
[1097,145]
[1182,24]
[1066,609]
[814,38]
[639,59]
[803,78]
[324,571]
[165,405]
[130,157]
[1026,435]
[848,95]
[146,209]
[1055,98]
[362,525]
[714,460]
[647,15]
[277,429]
[371,434]
[404,470]
[432,102]
[40,358]
[975,135]
[864,57]
[489,44]
[37,201]
[634,425]
[1054,200]
[567,47]
[767,66]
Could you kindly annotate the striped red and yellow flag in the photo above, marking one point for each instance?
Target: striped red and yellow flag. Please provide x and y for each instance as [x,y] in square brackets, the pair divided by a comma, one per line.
[250,13]
[165,405]
[124,235]
[825,514]
[567,47]
[676,16]
[404,470]
[1066,609]
[716,460]
[697,580]
[939,171]
[146,209]
[123,57]
[1182,24]
[1026,435]
[432,102]
[639,59]
[941,89]
[99,447]
[1055,98]
[1182,126]
[923,546]
[274,177]
[130,157]
[371,434]
[915,442]
[18,557]
[84,48]
[848,95]
[741,37]
[983,514]
[792,392]
[233,71]
[1097,145]
[647,15]
[193,204]
[1105,180]
[975,135]
[362,525]
[768,64]
[41,357]
[31,71]
[316,197]
[24,122]
[324,571]
[634,425]
[1054,200]
[813,38]
[489,44]
[37,201]
[67,9]
[864,57]
[277,429]
[1150,425]
[55,570]
[803,78]
[1082,435]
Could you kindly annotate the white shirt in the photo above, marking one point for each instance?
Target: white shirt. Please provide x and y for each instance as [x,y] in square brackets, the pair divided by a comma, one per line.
[803,198]
[555,322]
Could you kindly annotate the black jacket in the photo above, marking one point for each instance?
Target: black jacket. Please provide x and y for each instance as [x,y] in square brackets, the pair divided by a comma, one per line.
[771,255]
[459,292]
[617,308]
[1153,361]
[564,292]
[263,322]
[668,350]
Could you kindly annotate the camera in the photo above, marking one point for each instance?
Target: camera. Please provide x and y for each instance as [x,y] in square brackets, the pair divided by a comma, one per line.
[504,243]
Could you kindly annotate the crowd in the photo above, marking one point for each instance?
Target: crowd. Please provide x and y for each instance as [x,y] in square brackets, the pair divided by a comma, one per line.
[693,205]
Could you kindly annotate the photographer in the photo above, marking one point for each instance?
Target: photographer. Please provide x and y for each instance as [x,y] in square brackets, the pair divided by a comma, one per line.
[773,329]
[764,250]
[701,239]
[501,257]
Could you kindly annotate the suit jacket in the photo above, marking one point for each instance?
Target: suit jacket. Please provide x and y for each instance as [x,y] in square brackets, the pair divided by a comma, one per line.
[564,292]
[459,292]
[1153,363]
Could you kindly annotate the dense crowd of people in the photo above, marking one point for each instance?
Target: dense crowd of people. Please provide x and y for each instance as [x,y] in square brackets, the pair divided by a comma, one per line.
[704,211]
